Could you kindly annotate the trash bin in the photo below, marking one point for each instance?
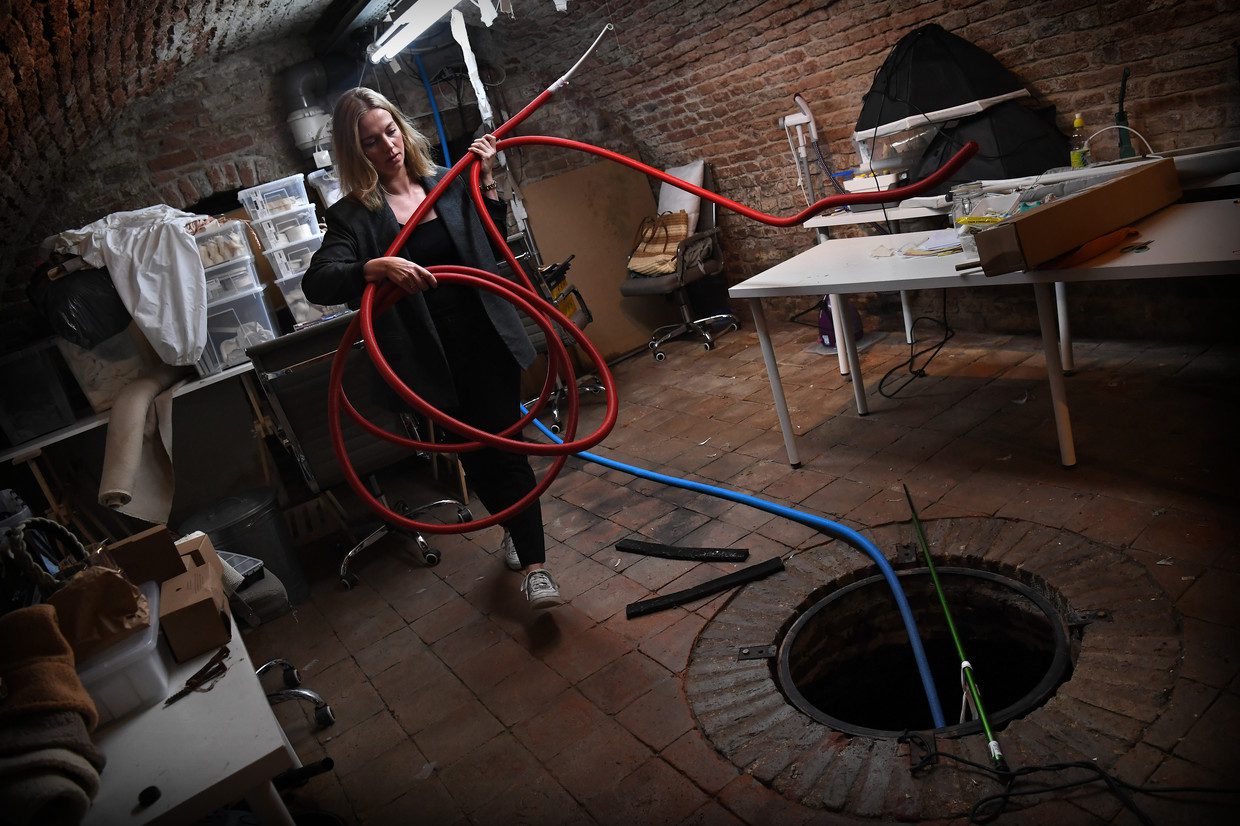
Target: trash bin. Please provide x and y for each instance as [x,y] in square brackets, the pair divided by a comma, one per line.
[251,523]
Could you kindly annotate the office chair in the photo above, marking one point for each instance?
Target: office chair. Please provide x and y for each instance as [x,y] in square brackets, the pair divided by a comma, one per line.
[552,284]
[698,257]
[293,371]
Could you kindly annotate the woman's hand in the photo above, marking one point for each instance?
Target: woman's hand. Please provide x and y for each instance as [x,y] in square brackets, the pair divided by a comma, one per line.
[484,148]
[402,272]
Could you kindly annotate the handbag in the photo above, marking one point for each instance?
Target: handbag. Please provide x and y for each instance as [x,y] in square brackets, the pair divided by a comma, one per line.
[658,239]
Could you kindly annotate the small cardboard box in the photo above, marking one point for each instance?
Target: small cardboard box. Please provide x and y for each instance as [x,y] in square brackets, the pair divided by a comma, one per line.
[193,607]
[1034,238]
[196,551]
[150,556]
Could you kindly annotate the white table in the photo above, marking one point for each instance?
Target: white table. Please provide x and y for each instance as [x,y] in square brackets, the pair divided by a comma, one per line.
[204,751]
[1189,240]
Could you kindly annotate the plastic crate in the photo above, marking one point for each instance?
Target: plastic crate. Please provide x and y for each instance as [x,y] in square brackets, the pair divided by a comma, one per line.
[298,224]
[293,259]
[327,184]
[104,371]
[133,673]
[233,325]
[33,399]
[221,246]
[270,199]
[231,279]
[303,311]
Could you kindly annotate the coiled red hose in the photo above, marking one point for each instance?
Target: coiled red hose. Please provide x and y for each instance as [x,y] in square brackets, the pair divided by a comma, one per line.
[378,298]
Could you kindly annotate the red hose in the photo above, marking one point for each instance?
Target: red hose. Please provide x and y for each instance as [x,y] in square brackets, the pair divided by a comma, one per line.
[378,298]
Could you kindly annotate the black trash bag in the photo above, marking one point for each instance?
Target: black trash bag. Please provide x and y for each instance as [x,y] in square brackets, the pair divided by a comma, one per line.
[82,307]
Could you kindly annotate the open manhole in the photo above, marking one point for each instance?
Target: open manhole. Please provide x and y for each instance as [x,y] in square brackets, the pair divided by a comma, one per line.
[846,661]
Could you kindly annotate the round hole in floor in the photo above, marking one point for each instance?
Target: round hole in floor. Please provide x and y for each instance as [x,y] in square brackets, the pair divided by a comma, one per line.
[846,660]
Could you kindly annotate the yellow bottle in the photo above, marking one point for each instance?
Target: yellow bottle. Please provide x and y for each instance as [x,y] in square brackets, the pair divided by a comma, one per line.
[1078,146]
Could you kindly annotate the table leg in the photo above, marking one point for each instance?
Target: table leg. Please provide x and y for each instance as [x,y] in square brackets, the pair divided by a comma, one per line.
[1065,332]
[265,802]
[907,309]
[837,322]
[772,375]
[849,345]
[1054,372]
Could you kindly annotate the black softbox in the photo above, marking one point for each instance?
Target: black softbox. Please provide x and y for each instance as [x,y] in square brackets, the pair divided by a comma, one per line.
[1015,141]
[931,69]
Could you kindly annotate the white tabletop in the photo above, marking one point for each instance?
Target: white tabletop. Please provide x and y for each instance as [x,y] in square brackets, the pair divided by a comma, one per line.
[1186,240]
[204,751]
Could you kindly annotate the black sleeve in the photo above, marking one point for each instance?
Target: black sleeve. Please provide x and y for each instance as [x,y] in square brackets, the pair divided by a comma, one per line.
[498,210]
[335,273]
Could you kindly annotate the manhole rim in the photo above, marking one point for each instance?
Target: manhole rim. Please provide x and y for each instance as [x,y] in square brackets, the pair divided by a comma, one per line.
[1030,701]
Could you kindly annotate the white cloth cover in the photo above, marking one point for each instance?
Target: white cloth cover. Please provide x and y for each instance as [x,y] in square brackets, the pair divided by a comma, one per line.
[158,274]
[672,198]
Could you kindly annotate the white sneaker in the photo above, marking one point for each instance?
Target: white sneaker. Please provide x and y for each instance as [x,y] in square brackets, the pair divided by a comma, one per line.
[509,550]
[540,589]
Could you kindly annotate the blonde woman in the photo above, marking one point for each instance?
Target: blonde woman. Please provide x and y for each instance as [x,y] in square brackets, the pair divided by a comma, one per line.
[461,349]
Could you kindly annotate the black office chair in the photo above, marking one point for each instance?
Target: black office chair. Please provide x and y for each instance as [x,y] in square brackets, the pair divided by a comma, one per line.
[698,274]
[293,371]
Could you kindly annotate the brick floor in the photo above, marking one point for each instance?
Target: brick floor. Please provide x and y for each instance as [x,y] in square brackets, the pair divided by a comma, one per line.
[457,705]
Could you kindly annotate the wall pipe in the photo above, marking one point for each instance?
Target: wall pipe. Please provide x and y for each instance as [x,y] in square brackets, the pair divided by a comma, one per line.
[559,365]
[435,116]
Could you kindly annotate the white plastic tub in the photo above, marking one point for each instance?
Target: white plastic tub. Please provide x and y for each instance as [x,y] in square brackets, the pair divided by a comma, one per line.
[221,246]
[233,325]
[298,224]
[132,674]
[232,278]
[293,259]
[303,311]
[327,184]
[265,200]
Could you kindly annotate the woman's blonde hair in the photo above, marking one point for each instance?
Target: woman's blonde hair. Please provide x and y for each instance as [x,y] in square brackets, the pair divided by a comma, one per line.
[357,174]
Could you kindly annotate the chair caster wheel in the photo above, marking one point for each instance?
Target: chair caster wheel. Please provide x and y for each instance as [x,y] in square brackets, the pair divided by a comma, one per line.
[323,716]
[348,581]
[734,327]
[659,355]
[708,346]
[292,678]
[431,558]
[555,428]
[464,515]
[400,507]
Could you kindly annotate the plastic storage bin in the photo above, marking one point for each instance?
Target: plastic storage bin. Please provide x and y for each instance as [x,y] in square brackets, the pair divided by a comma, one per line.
[33,399]
[133,673]
[293,259]
[270,199]
[233,325]
[303,311]
[327,184]
[298,224]
[103,371]
[231,279]
[220,246]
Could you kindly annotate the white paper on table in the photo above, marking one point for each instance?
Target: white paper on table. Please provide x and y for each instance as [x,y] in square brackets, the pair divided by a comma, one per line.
[939,240]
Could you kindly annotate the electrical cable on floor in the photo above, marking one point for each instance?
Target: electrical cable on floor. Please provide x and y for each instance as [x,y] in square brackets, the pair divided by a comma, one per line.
[910,363]
[991,806]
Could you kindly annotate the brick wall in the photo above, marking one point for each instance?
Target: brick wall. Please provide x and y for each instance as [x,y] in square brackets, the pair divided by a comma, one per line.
[678,80]
[682,79]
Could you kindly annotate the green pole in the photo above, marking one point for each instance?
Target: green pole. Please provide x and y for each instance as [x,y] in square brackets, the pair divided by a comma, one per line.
[995,753]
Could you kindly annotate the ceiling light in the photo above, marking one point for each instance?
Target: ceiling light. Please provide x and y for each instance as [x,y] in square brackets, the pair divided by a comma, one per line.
[416,19]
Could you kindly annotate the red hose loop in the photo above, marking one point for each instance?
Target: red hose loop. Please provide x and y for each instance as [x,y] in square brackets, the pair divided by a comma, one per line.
[544,314]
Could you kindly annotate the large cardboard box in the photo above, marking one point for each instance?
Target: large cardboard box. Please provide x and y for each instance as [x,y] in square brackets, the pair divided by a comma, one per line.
[193,606]
[1034,238]
[150,556]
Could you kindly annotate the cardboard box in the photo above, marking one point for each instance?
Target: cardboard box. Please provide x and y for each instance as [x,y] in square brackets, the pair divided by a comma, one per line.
[196,551]
[150,556]
[1034,238]
[193,612]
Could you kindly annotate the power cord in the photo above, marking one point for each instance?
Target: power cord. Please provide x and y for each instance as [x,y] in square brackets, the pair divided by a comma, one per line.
[990,807]
[910,363]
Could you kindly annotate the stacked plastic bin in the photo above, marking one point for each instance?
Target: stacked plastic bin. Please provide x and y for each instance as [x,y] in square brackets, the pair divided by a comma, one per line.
[237,315]
[288,228]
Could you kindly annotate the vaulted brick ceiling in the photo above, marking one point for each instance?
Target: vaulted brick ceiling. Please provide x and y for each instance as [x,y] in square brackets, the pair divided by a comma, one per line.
[69,67]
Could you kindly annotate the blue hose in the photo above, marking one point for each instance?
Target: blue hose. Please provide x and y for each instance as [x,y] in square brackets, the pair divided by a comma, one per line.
[832,529]
[430,93]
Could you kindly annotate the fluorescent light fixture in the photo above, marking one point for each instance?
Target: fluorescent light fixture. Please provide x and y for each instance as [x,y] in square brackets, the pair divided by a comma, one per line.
[409,26]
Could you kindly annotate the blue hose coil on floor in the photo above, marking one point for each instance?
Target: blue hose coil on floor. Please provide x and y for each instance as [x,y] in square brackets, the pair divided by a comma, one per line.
[831,529]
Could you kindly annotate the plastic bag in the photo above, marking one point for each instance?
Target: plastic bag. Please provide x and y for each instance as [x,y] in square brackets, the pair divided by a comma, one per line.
[82,307]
